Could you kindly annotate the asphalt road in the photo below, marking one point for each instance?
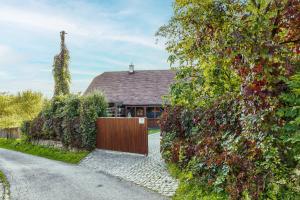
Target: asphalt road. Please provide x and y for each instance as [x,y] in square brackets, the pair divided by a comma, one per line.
[36,178]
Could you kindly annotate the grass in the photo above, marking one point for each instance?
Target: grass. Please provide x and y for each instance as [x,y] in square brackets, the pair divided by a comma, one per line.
[46,152]
[190,188]
[5,183]
[153,130]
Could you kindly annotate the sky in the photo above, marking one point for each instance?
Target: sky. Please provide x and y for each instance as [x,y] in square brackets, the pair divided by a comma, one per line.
[102,35]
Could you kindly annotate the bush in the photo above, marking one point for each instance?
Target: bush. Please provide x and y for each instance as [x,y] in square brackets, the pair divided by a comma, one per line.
[170,121]
[48,127]
[221,154]
[25,128]
[191,188]
[289,114]
[93,106]
[71,122]
[36,127]
[70,119]
[233,60]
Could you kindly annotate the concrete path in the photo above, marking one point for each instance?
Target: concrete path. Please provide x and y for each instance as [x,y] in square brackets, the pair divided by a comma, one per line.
[36,178]
[149,172]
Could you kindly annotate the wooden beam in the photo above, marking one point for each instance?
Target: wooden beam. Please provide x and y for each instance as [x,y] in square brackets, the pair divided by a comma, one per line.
[116,110]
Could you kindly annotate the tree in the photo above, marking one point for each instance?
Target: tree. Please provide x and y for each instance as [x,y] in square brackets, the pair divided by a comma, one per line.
[247,50]
[235,46]
[29,104]
[61,73]
[21,107]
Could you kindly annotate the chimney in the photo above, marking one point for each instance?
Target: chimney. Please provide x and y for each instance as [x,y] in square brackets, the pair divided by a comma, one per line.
[131,69]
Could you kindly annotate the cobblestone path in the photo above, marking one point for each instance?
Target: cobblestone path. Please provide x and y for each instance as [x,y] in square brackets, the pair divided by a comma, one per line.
[149,171]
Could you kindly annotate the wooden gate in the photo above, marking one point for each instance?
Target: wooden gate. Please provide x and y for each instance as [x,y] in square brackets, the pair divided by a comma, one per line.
[122,134]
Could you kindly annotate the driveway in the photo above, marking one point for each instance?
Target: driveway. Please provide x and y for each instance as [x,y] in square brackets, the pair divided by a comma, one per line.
[36,178]
[149,172]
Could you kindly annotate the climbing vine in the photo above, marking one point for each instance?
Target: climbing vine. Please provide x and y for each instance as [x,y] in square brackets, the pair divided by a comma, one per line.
[61,73]
[236,64]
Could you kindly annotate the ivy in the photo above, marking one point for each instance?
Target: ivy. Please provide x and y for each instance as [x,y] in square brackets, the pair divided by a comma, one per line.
[61,73]
[237,65]
[70,119]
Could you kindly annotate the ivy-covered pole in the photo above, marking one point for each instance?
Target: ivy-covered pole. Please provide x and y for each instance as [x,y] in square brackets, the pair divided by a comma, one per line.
[61,73]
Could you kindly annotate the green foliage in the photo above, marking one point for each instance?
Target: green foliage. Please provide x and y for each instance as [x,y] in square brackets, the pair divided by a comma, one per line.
[25,127]
[290,119]
[93,106]
[167,146]
[153,130]
[29,104]
[204,69]
[14,109]
[71,122]
[234,57]
[35,128]
[46,152]
[221,45]
[190,188]
[61,73]
[219,154]
[70,119]
[5,183]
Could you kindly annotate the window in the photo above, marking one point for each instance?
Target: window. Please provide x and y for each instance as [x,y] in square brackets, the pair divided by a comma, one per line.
[150,112]
[158,112]
[139,111]
[154,112]
[130,111]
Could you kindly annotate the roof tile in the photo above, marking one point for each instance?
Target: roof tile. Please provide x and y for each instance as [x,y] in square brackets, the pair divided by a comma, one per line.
[143,87]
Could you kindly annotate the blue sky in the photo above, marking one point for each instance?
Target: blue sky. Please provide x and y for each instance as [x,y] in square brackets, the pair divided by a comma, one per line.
[103,35]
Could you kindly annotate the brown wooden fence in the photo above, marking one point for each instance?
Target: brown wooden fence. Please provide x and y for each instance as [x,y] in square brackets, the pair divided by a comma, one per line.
[122,134]
[10,133]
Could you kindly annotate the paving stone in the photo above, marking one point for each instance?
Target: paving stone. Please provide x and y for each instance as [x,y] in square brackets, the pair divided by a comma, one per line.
[149,171]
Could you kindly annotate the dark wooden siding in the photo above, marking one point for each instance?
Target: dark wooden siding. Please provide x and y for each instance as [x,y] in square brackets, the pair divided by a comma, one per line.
[153,123]
[122,134]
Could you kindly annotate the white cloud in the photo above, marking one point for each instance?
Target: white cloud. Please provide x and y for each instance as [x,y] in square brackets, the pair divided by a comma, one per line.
[114,62]
[46,87]
[83,72]
[37,20]
[6,76]
[48,20]
[101,37]
[9,56]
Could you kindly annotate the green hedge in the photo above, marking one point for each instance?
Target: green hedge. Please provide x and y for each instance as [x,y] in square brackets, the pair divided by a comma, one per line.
[220,152]
[69,119]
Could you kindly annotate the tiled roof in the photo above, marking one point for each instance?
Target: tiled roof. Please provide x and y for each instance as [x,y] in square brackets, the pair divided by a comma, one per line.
[143,87]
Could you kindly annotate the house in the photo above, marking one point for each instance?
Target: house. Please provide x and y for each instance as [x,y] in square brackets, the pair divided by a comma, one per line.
[134,93]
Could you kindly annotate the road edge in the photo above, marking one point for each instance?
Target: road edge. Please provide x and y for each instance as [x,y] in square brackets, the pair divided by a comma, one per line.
[4,186]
